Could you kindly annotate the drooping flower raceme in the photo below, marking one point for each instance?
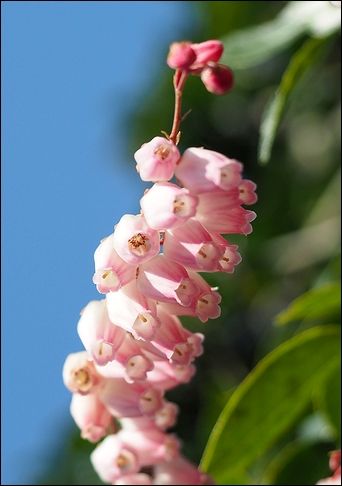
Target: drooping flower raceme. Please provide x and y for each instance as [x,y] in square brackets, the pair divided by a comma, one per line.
[148,274]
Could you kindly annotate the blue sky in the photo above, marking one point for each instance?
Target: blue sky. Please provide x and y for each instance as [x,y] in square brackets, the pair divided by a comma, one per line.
[70,71]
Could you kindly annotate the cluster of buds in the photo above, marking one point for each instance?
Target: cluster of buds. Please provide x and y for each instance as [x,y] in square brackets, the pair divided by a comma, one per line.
[335,467]
[148,271]
[202,60]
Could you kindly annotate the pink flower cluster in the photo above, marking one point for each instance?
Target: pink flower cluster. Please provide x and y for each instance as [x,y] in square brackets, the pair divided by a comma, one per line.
[335,467]
[148,271]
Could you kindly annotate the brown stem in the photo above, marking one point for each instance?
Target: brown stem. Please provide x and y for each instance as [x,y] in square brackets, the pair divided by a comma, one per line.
[178,83]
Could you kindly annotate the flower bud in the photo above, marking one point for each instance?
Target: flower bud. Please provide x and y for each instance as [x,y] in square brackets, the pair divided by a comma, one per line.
[181,55]
[217,79]
[209,51]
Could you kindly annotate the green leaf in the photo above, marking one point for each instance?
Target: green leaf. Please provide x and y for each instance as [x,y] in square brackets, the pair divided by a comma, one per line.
[317,303]
[329,400]
[252,46]
[269,400]
[299,463]
[300,62]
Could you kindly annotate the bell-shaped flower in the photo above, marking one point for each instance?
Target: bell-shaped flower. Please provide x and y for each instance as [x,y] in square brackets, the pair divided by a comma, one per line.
[100,337]
[193,247]
[157,159]
[202,170]
[247,192]
[179,345]
[134,241]
[167,205]
[230,217]
[111,272]
[131,310]
[166,281]
[79,373]
[91,416]
[179,471]
[124,399]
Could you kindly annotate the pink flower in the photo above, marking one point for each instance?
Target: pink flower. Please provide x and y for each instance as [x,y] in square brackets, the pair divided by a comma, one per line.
[156,160]
[99,336]
[179,471]
[131,310]
[152,444]
[130,449]
[247,192]
[202,170]
[179,345]
[230,257]
[166,281]
[111,272]
[181,55]
[166,376]
[166,205]
[230,217]
[166,416]
[217,79]
[129,479]
[192,246]
[124,399]
[91,416]
[134,241]
[208,51]
[111,459]
[79,373]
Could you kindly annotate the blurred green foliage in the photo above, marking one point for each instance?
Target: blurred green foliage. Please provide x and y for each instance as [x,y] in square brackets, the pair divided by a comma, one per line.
[294,247]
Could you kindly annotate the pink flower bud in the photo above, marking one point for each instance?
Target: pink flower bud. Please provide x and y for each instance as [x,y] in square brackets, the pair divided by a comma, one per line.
[79,374]
[156,160]
[217,79]
[179,471]
[181,55]
[167,205]
[192,246]
[208,51]
[247,192]
[202,170]
[99,336]
[230,217]
[91,416]
[134,241]
[111,272]
[124,399]
[166,281]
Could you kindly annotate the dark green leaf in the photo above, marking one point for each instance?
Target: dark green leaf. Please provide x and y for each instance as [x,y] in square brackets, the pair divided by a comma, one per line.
[269,400]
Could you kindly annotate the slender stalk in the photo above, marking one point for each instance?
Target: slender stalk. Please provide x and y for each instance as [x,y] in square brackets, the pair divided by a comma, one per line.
[178,83]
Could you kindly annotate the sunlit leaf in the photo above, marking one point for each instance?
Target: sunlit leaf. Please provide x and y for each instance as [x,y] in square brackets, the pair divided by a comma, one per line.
[269,400]
[304,58]
[254,45]
[322,302]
